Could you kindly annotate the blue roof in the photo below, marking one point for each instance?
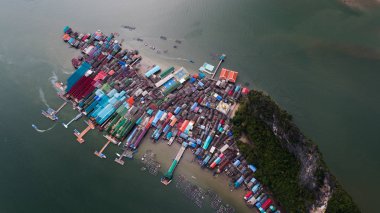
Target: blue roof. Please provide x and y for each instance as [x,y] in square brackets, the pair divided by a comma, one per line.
[252,167]
[169,83]
[66,29]
[77,75]
[152,71]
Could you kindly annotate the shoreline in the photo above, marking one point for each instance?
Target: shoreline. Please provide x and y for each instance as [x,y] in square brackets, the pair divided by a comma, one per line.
[194,173]
[187,167]
[122,95]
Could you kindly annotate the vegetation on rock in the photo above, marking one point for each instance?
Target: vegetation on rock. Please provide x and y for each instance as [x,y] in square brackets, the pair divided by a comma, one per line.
[283,154]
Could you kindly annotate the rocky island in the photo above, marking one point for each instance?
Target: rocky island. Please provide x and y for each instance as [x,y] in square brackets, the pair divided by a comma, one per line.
[288,162]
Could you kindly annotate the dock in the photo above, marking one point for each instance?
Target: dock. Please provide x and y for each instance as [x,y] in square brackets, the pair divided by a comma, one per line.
[100,153]
[126,153]
[72,120]
[89,127]
[61,107]
[109,140]
[167,178]
[51,113]
[221,59]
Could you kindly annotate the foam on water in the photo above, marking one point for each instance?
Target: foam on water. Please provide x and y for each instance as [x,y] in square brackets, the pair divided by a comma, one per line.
[42,97]
[42,130]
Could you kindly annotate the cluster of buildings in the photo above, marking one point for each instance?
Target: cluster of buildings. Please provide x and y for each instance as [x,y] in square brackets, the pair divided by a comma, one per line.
[171,104]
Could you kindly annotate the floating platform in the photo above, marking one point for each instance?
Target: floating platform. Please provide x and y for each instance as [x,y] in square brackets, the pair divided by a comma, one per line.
[101,155]
[207,68]
[127,153]
[50,113]
[166,181]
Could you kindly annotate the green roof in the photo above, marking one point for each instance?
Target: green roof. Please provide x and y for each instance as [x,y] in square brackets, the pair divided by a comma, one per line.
[167,72]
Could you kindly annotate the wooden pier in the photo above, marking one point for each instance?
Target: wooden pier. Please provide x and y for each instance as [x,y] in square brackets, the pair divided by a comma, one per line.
[51,113]
[88,128]
[72,120]
[221,59]
[109,140]
[61,107]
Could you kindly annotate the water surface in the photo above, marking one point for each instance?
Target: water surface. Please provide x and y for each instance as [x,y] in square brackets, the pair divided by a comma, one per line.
[317,59]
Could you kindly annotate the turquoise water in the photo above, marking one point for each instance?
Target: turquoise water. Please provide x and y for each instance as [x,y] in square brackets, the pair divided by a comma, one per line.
[318,59]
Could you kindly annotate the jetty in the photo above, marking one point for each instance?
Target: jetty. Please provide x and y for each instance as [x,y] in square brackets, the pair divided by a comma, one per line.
[167,178]
[109,140]
[66,125]
[51,113]
[221,60]
[80,135]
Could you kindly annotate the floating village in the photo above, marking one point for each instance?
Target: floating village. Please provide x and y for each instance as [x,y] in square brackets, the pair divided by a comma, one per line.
[128,103]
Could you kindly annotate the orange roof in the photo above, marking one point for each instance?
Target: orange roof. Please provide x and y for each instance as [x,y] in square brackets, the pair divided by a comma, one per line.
[173,122]
[130,101]
[184,125]
[224,74]
[111,72]
[66,37]
[100,76]
[232,76]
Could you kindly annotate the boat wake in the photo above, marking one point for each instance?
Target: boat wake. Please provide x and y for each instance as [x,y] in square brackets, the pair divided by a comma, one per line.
[66,72]
[42,97]
[53,79]
[42,130]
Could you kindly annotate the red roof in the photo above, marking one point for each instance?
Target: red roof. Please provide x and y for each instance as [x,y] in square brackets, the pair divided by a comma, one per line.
[223,74]
[111,72]
[85,37]
[184,125]
[232,76]
[248,195]
[100,76]
[245,90]
[266,203]
[66,37]
[228,75]
[130,101]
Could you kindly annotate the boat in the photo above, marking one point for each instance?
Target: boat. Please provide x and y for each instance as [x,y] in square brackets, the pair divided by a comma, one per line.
[128,27]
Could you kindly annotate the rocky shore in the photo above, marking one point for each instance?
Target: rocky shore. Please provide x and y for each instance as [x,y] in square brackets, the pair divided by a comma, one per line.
[271,131]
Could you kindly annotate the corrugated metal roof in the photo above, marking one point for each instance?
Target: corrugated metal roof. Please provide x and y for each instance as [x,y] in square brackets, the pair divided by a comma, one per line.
[152,71]
[164,80]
